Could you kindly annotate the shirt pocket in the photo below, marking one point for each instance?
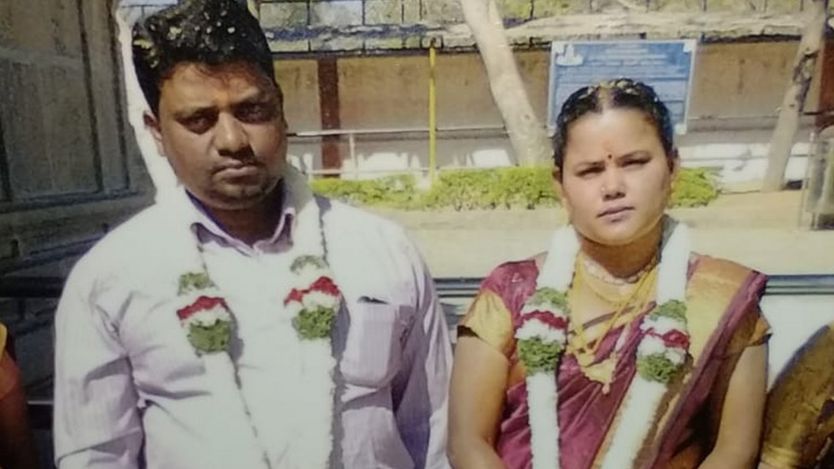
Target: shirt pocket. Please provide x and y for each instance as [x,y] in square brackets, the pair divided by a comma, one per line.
[373,348]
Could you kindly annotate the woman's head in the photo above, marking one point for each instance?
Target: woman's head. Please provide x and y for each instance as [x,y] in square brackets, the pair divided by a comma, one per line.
[615,160]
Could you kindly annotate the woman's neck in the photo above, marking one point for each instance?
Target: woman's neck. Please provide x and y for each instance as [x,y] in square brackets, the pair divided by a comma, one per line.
[625,261]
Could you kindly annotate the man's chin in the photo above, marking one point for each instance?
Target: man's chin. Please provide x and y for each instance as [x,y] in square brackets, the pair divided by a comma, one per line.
[237,200]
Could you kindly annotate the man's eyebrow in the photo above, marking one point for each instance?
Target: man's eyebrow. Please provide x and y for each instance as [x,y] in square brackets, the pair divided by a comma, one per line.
[191,111]
[259,96]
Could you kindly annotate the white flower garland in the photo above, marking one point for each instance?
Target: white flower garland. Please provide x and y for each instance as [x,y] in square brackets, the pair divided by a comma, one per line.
[661,353]
[312,302]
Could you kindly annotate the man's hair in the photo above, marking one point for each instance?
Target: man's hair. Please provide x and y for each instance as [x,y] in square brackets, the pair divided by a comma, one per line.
[210,32]
[622,93]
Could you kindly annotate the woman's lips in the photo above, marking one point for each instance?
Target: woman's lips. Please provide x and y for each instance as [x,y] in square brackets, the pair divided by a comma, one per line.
[615,213]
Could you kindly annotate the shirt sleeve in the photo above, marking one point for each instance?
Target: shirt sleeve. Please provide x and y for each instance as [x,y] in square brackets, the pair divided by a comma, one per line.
[96,421]
[420,389]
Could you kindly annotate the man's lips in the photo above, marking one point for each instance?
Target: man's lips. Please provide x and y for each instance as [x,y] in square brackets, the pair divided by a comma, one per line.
[614,211]
[238,170]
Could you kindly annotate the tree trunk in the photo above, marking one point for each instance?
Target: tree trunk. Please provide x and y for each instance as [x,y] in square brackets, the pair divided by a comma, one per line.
[788,122]
[527,134]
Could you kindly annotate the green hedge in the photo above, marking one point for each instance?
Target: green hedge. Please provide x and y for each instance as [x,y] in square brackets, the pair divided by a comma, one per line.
[468,189]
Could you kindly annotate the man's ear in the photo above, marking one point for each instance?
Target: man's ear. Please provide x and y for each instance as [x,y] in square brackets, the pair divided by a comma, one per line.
[152,124]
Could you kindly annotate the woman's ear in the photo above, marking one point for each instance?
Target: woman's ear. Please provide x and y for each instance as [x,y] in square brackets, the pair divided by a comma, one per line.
[674,163]
[559,189]
[556,175]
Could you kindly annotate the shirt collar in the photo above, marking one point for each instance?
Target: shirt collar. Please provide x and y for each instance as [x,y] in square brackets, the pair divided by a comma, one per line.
[206,227]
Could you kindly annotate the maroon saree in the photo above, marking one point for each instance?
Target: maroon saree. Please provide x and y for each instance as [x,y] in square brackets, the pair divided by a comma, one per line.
[724,317]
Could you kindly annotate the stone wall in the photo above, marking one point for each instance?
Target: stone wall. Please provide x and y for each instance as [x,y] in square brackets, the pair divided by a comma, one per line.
[371,26]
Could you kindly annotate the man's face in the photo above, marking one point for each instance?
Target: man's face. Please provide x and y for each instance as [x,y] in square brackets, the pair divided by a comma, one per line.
[222,130]
[616,178]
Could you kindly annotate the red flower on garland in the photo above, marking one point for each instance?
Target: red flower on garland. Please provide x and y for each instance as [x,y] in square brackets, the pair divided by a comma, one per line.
[295,295]
[325,285]
[673,338]
[556,322]
[202,303]
[676,338]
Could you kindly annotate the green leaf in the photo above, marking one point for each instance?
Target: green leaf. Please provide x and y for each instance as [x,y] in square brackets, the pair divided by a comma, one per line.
[550,295]
[303,261]
[657,368]
[210,339]
[314,324]
[194,281]
[673,309]
[538,356]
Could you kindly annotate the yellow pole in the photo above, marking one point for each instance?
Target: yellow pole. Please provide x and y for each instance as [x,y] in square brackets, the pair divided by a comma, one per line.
[432,113]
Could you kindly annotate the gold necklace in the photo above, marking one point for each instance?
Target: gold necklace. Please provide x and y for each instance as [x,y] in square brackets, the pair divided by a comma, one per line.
[597,271]
[602,371]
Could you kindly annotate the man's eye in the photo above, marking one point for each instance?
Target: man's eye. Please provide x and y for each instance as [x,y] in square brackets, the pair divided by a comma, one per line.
[198,123]
[254,112]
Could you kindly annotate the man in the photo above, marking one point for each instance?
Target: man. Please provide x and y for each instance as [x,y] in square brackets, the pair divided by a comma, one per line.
[245,323]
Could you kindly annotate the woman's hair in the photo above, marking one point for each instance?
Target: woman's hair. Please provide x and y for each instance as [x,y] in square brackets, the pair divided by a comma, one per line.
[622,93]
[210,32]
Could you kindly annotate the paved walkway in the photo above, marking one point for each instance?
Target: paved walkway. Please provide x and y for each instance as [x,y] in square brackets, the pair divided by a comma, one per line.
[759,230]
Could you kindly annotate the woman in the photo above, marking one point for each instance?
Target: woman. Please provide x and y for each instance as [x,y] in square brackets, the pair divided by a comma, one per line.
[17,450]
[617,348]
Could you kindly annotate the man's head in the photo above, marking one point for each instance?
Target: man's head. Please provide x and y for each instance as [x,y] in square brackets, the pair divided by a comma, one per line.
[210,32]
[207,73]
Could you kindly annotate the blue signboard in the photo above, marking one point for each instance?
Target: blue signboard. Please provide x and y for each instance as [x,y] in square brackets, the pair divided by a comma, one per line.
[664,65]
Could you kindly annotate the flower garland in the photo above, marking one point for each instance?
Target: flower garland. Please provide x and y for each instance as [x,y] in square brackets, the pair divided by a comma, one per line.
[312,304]
[662,351]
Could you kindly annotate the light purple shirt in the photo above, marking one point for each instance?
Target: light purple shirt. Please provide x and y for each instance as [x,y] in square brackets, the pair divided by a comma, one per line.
[128,390]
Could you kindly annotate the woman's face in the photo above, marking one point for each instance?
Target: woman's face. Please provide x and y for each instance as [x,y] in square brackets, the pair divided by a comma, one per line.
[616,177]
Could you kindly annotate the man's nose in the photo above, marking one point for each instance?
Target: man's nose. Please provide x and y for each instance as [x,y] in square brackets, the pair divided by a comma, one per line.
[230,137]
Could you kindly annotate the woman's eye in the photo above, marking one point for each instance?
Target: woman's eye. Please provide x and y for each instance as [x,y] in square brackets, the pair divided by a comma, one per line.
[639,162]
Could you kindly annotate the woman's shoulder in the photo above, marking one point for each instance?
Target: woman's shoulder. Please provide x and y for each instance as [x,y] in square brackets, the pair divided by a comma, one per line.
[512,274]
[725,271]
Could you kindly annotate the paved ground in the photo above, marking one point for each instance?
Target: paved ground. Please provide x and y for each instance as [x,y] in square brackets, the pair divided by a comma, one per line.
[763,231]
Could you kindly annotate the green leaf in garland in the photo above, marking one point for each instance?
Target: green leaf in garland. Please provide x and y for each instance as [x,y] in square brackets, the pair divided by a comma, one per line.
[303,261]
[210,339]
[657,368]
[550,295]
[194,281]
[538,356]
[314,324]
[672,309]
